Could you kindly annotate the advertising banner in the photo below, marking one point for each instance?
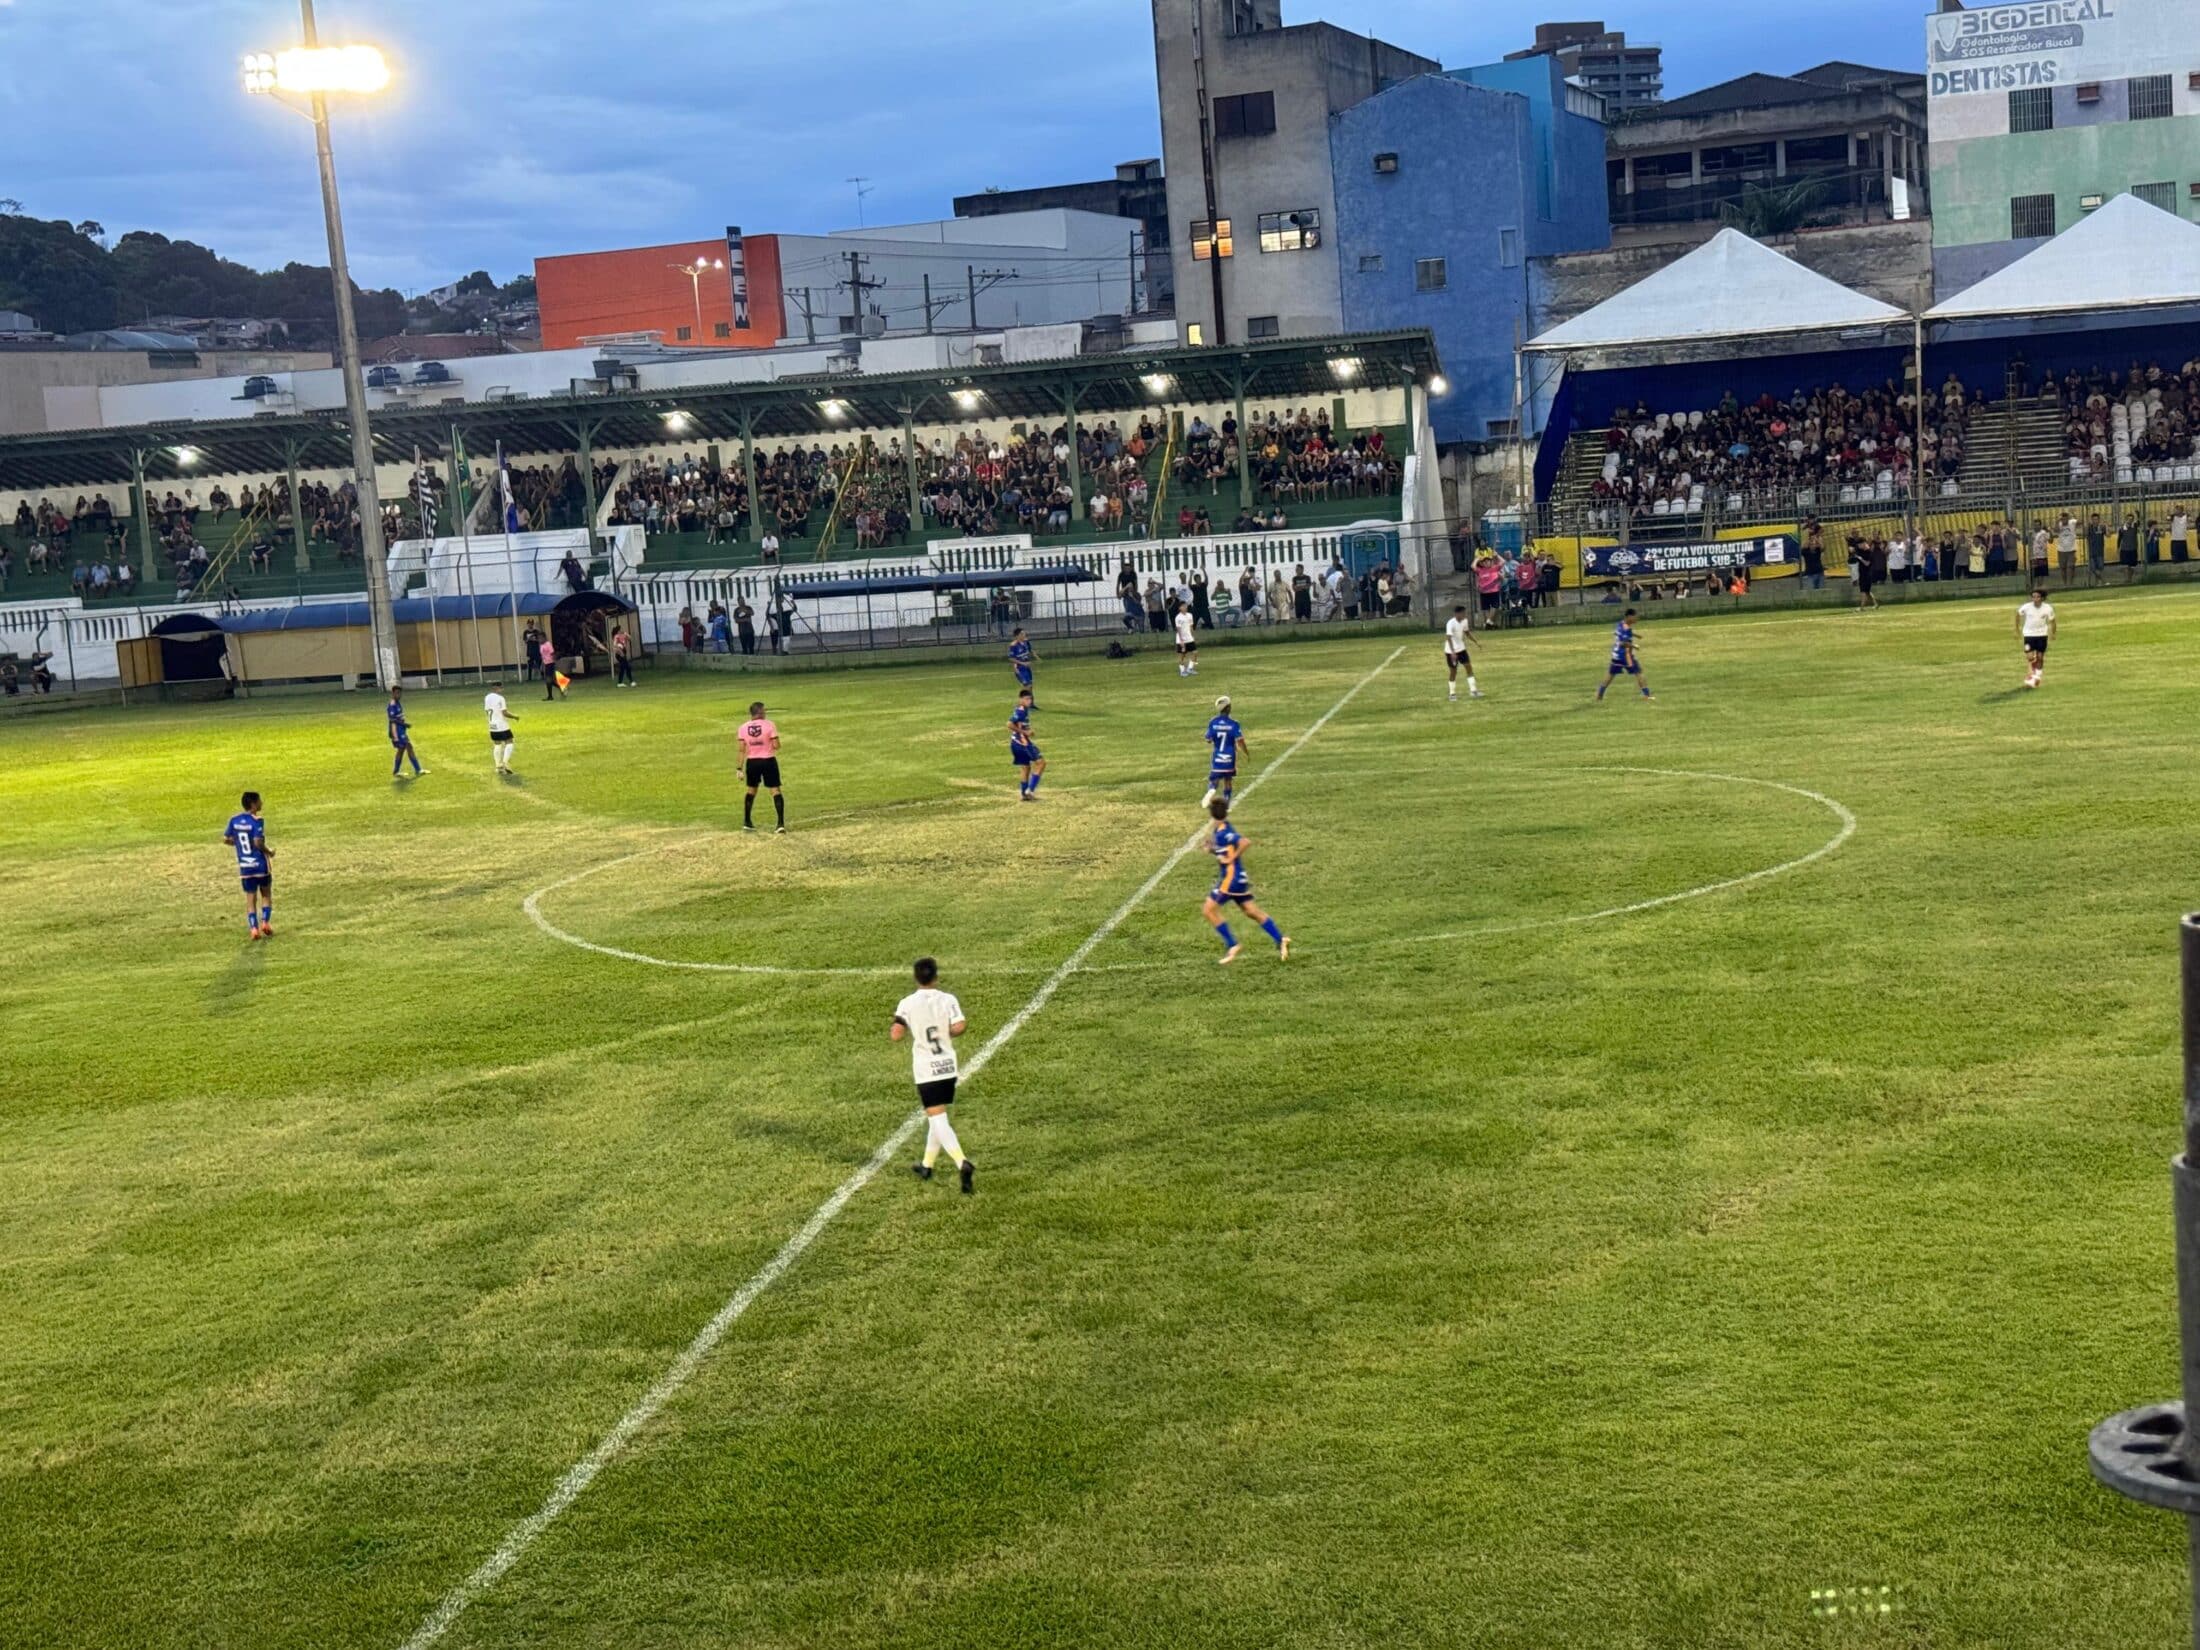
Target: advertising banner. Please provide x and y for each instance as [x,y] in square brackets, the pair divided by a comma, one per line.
[1659,561]
[1991,50]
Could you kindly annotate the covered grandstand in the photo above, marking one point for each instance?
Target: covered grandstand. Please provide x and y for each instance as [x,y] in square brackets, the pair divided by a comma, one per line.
[1726,398]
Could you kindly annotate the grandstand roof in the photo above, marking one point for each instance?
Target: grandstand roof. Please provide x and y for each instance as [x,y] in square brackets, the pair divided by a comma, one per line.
[2127,255]
[779,409]
[1729,287]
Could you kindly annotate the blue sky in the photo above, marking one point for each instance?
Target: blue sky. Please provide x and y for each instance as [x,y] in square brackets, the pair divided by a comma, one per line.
[526,127]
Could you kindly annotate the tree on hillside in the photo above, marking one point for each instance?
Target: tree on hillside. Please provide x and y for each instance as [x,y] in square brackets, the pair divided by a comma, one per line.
[478,281]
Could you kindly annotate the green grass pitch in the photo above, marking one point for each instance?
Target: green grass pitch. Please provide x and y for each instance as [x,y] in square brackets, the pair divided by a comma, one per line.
[1477,1278]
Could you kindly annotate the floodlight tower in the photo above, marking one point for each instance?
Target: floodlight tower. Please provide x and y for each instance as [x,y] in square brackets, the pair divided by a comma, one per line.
[316,73]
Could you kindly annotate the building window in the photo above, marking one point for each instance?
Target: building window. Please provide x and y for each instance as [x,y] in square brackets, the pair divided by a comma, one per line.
[2163,195]
[1262,326]
[2032,110]
[2031,217]
[723,329]
[1508,248]
[1212,240]
[1194,334]
[1430,275]
[684,334]
[2091,203]
[2150,97]
[1299,231]
[1371,263]
[1387,162]
[1250,114]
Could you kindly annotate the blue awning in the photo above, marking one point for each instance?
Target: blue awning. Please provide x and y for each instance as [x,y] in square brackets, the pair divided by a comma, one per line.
[411,610]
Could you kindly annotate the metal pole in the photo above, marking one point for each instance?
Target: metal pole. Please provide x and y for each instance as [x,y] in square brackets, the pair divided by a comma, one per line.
[1244,467]
[1076,475]
[302,558]
[909,460]
[144,515]
[927,301]
[2148,1453]
[748,475]
[1917,449]
[970,271]
[372,551]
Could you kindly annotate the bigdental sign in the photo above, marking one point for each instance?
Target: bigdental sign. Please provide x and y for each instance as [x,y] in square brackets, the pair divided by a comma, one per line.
[2034,43]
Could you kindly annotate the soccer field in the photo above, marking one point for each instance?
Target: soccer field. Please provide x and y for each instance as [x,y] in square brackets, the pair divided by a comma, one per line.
[1536,1258]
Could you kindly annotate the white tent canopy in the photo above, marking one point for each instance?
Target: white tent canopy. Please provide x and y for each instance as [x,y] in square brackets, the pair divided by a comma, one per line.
[2126,255]
[1730,287]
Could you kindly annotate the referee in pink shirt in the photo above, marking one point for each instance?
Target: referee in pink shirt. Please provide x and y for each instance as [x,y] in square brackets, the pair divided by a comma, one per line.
[760,751]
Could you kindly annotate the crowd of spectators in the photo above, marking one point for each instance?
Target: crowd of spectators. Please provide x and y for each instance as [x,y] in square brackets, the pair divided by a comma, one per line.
[2116,423]
[1291,455]
[1812,448]
[1331,594]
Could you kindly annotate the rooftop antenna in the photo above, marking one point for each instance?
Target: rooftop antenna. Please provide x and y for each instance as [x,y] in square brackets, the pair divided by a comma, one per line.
[862,187]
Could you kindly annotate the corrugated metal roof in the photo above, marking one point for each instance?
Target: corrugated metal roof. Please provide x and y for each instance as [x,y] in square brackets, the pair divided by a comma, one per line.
[777,410]
[411,610]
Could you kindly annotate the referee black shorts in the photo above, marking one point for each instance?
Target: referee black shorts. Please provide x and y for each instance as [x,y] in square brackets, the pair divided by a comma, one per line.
[763,771]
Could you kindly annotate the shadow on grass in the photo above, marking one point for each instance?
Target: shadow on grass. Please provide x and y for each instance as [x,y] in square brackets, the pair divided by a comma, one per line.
[2005,696]
[232,990]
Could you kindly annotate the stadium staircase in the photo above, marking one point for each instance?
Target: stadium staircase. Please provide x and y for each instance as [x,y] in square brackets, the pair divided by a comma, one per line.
[2017,439]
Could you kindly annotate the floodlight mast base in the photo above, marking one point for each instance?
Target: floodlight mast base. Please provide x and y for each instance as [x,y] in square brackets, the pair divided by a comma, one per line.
[2151,1454]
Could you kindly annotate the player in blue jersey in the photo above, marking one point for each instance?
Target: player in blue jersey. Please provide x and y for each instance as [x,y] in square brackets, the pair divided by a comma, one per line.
[1624,662]
[1234,886]
[1022,750]
[1021,656]
[255,868]
[401,744]
[1227,742]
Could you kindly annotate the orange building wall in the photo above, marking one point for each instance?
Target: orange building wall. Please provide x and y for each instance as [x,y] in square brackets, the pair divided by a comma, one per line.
[589,294]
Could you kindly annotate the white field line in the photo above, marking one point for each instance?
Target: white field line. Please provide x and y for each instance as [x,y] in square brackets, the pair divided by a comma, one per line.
[1481,930]
[1832,844]
[532,906]
[582,1473]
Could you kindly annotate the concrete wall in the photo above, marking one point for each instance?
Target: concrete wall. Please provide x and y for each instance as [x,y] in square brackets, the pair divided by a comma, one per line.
[1974,182]
[44,390]
[1888,261]
[1313,70]
[1065,266]
[1475,188]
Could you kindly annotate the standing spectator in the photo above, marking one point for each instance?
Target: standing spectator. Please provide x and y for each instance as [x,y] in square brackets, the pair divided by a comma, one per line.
[1279,598]
[2096,548]
[1489,581]
[1814,553]
[1157,607]
[2127,547]
[1898,560]
[1302,594]
[1203,614]
[1126,592]
[744,620]
[1249,595]
[2180,534]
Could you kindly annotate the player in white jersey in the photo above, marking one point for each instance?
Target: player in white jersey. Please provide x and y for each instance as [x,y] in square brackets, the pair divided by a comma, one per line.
[1187,645]
[931,1020]
[2036,628]
[1455,654]
[500,729]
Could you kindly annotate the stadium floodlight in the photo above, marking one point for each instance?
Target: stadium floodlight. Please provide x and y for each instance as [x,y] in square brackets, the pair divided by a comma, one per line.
[676,421]
[1344,368]
[966,399]
[695,273]
[834,410]
[1438,384]
[185,456]
[317,73]
[1158,383]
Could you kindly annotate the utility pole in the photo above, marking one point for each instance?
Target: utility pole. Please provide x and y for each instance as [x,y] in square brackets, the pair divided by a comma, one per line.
[856,287]
[1132,301]
[801,297]
[983,281]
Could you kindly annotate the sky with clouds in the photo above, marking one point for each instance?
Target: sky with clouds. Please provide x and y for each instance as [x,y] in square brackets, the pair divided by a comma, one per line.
[525,127]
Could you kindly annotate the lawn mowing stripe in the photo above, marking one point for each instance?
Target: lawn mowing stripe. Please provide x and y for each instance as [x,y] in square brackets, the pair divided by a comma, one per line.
[524,1534]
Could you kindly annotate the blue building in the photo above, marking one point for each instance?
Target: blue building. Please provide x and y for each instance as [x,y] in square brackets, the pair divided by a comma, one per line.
[1447,186]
